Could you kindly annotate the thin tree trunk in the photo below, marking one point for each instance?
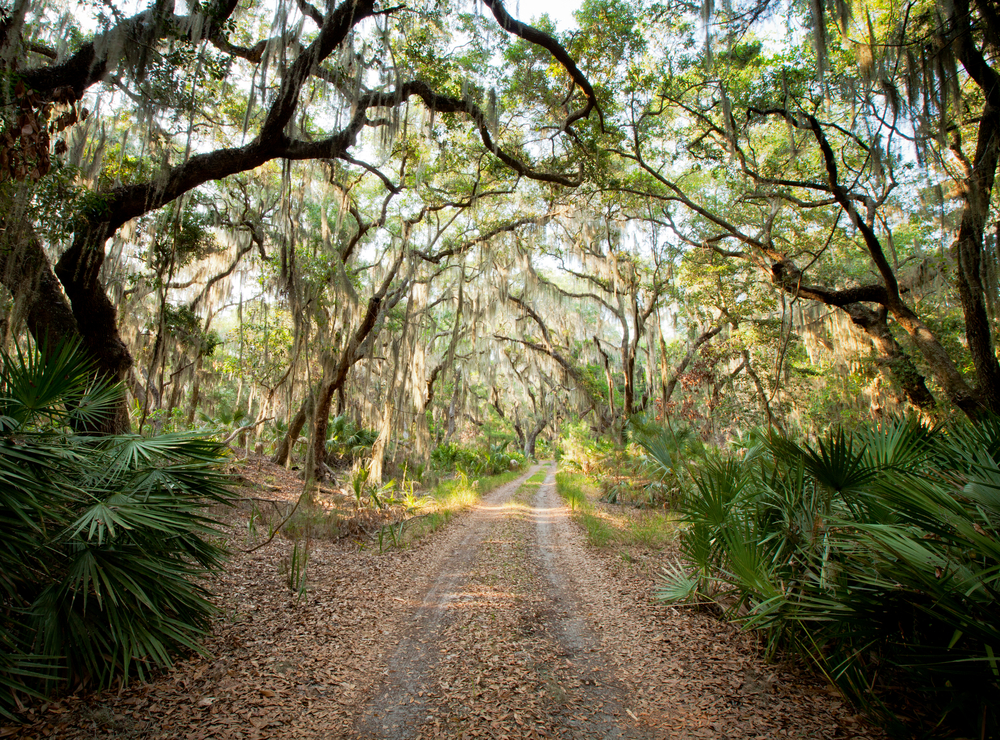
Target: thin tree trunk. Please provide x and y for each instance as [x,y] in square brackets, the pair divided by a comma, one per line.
[195,389]
[388,410]
[608,377]
[772,420]
[453,409]
[668,387]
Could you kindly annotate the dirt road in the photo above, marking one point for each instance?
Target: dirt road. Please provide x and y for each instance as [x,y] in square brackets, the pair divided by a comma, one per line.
[505,624]
[499,637]
[519,630]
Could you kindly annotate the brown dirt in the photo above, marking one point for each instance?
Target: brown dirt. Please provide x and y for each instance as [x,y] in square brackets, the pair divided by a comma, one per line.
[505,624]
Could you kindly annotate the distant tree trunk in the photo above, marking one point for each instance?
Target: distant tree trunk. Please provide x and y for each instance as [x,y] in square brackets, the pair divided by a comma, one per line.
[336,370]
[195,389]
[669,385]
[176,382]
[765,402]
[315,467]
[664,370]
[608,376]
[547,347]
[139,391]
[282,455]
[388,410]
[453,407]
[529,444]
[628,394]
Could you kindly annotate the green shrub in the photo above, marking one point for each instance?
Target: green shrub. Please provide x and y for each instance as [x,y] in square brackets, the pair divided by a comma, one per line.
[669,455]
[445,456]
[347,441]
[581,449]
[106,538]
[876,554]
[488,461]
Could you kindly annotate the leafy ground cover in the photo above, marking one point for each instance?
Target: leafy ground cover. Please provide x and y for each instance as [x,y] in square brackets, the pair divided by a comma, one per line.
[108,539]
[529,618]
[627,529]
[871,553]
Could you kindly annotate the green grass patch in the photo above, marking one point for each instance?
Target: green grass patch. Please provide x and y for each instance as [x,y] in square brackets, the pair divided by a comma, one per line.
[653,530]
[572,487]
[600,531]
[614,525]
[449,498]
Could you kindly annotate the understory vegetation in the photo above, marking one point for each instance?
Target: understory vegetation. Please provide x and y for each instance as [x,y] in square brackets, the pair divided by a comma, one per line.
[107,539]
[872,553]
[651,529]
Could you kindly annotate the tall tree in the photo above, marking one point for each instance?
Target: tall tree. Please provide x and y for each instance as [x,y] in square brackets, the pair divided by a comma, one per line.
[801,164]
[306,93]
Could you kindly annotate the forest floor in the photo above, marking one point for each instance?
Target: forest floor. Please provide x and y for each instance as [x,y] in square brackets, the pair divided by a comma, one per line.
[504,624]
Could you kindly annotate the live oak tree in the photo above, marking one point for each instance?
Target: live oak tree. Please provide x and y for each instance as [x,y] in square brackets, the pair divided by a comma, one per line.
[814,158]
[308,91]
[384,174]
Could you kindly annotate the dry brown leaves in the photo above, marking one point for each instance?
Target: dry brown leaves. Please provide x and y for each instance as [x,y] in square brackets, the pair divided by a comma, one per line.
[504,663]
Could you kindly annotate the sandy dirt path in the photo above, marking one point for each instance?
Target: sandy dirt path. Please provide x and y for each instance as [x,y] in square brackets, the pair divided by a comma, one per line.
[505,624]
[520,629]
[499,636]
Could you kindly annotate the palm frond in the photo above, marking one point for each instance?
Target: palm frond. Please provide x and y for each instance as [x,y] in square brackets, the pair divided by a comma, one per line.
[107,539]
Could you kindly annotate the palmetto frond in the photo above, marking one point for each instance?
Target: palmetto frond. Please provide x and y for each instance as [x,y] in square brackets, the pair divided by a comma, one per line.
[54,387]
[875,549]
[107,538]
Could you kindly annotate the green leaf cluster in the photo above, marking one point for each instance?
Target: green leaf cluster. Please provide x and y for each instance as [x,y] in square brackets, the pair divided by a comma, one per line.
[107,539]
[876,554]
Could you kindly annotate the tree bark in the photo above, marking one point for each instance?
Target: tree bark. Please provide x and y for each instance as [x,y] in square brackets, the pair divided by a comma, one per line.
[977,189]
[668,386]
[87,315]
[282,456]
[529,443]
[765,402]
[896,363]
[38,296]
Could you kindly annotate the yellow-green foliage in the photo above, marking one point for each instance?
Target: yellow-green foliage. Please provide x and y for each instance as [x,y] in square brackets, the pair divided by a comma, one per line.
[451,497]
[570,487]
[653,529]
[614,526]
[574,488]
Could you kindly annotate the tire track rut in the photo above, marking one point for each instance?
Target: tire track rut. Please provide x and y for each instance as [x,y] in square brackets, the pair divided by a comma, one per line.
[498,643]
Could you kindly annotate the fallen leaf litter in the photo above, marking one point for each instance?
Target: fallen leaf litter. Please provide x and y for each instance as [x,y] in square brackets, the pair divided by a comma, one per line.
[505,624]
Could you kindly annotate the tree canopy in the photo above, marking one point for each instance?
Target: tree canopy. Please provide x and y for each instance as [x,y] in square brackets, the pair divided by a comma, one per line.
[437,217]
